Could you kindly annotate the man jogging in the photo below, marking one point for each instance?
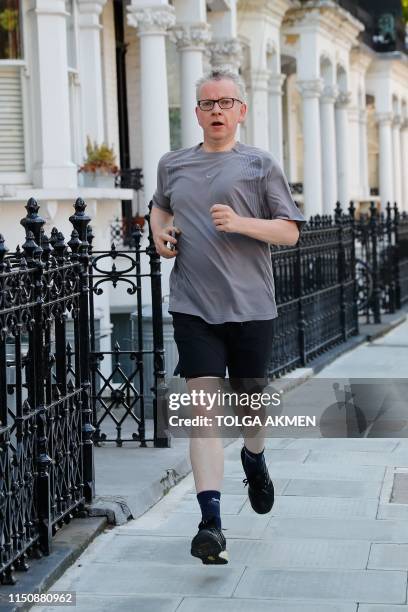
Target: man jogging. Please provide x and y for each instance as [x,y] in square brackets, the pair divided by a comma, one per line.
[219,205]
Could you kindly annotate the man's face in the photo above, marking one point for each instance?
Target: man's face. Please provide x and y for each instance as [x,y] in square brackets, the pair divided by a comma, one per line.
[220,125]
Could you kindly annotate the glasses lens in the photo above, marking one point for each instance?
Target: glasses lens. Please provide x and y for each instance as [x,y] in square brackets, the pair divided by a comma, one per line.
[206,105]
[226,103]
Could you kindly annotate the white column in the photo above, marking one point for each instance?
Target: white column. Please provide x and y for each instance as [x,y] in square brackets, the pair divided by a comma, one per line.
[191,43]
[386,157]
[312,163]
[152,24]
[292,129]
[328,135]
[52,159]
[404,158]
[275,116]
[258,85]
[364,154]
[396,144]
[92,95]
[226,53]
[356,188]
[343,152]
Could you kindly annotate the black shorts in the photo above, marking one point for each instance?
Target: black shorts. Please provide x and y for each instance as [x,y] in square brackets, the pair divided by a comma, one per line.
[208,349]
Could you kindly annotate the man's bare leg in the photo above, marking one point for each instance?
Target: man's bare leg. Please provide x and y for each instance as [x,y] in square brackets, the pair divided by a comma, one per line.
[254,443]
[206,451]
[207,460]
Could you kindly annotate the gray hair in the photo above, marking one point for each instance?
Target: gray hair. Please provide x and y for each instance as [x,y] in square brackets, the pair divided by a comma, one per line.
[219,75]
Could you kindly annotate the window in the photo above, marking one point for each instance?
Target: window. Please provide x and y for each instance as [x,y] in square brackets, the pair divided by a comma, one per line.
[10,30]
[11,120]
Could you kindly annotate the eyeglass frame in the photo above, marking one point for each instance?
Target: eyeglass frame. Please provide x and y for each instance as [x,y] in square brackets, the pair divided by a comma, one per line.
[218,102]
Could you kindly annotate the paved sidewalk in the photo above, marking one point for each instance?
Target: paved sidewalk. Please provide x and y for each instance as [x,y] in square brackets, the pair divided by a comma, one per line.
[333,542]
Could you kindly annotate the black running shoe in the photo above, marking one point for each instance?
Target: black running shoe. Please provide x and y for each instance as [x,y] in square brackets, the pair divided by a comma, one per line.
[260,489]
[209,544]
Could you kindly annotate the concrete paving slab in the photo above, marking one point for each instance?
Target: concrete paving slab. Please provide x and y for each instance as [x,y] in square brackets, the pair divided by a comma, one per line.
[179,524]
[287,454]
[234,486]
[333,488]
[323,472]
[118,578]
[381,608]
[353,586]
[156,550]
[369,445]
[388,556]
[299,553]
[370,530]
[319,507]
[192,604]
[396,458]
[230,504]
[393,511]
[278,443]
[124,603]
[399,492]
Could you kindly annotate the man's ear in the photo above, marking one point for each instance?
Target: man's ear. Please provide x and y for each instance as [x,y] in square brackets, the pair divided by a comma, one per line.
[243,113]
[196,112]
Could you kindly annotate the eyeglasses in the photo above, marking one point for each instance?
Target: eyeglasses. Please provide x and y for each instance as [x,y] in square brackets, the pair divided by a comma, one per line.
[224,103]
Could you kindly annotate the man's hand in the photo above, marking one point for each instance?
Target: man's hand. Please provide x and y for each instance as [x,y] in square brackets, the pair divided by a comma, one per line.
[225,219]
[162,237]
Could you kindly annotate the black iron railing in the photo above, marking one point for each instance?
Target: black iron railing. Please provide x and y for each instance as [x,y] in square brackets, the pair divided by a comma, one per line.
[382,261]
[118,396]
[315,292]
[46,453]
[54,395]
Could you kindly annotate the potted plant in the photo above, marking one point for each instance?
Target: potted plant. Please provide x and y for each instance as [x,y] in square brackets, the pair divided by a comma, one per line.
[99,168]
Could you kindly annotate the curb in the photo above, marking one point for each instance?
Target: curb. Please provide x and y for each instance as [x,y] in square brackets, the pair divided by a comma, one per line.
[67,545]
[117,511]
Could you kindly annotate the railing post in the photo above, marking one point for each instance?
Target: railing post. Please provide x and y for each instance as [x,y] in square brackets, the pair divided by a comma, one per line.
[353,265]
[160,413]
[301,312]
[60,250]
[32,222]
[36,367]
[390,258]
[396,256]
[341,265]
[80,222]
[373,227]
[3,339]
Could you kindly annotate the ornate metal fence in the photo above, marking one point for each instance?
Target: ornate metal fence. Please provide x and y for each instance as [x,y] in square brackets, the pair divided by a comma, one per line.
[382,261]
[46,458]
[315,291]
[118,397]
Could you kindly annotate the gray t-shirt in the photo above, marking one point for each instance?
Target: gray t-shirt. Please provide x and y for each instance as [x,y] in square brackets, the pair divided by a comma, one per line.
[222,276]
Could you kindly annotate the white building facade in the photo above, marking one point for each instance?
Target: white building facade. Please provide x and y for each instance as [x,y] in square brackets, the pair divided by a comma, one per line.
[330,108]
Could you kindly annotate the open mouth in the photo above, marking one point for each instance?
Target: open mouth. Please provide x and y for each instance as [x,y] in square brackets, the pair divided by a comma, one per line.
[217,123]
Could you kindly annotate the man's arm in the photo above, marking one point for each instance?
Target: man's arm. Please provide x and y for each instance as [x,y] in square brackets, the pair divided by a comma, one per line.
[272,231]
[161,224]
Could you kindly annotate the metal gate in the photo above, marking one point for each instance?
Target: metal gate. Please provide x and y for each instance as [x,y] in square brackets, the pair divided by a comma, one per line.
[119,396]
